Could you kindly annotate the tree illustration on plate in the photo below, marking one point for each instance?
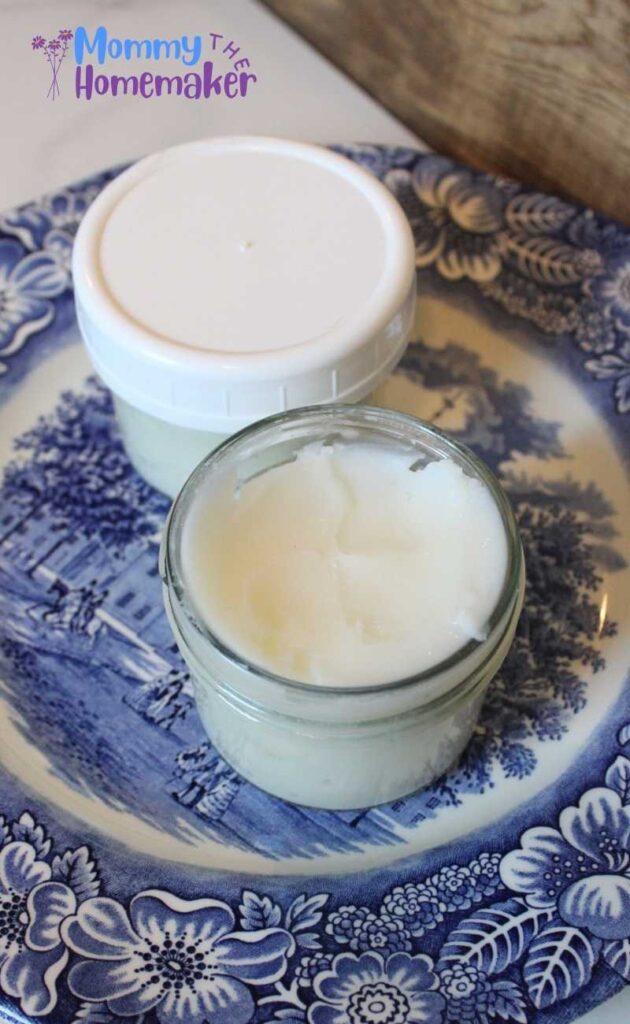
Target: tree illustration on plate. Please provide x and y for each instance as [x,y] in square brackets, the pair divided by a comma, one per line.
[566,531]
[72,465]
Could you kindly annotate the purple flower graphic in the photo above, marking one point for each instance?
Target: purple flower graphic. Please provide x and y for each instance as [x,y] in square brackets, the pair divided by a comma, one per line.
[54,52]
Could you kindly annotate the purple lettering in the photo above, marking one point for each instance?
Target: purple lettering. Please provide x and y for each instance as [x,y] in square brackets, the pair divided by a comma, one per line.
[231,49]
[242,63]
[210,84]
[146,84]
[168,82]
[84,86]
[119,83]
[245,79]
[192,85]
[101,84]
[230,84]
[214,36]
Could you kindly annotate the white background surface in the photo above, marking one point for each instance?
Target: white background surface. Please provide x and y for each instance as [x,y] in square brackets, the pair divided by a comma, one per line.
[45,145]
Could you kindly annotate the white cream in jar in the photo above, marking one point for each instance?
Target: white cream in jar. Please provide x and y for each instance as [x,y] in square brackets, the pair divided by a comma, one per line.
[225,280]
[343,584]
[346,566]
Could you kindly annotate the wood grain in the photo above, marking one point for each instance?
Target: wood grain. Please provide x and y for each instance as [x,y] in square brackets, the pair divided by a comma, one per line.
[535,89]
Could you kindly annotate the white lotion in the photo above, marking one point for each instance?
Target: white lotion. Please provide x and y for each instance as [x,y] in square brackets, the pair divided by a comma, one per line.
[343,584]
[346,567]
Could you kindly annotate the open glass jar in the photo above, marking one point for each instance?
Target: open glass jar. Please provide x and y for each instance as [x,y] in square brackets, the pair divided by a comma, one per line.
[337,746]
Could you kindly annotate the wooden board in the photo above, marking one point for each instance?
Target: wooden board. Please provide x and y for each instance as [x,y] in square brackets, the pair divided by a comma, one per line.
[536,89]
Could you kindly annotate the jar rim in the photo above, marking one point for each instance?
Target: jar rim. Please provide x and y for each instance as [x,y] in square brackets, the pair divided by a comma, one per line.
[350,415]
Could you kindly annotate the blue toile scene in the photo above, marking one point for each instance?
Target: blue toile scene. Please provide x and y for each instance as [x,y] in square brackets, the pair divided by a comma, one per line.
[523,917]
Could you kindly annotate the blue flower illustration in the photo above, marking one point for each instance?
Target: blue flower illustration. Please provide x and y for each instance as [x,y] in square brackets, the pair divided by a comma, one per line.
[485,872]
[179,956]
[382,932]
[612,290]
[379,159]
[467,992]
[594,328]
[615,366]
[39,225]
[344,923]
[582,868]
[455,215]
[455,887]
[58,244]
[371,990]
[461,981]
[31,911]
[418,907]
[26,283]
[312,965]
[361,929]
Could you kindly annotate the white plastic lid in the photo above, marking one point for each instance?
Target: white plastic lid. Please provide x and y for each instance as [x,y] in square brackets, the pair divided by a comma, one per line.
[225,280]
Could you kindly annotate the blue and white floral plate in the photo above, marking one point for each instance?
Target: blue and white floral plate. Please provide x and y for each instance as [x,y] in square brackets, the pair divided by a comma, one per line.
[141,879]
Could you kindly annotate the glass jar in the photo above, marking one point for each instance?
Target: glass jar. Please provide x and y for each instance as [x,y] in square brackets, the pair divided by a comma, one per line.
[225,280]
[329,746]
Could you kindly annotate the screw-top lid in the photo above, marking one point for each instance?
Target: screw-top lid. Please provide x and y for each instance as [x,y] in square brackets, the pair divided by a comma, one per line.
[224,280]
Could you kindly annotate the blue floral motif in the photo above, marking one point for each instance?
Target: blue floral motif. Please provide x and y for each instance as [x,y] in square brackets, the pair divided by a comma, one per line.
[594,330]
[37,267]
[180,956]
[171,960]
[371,990]
[467,992]
[612,289]
[32,908]
[455,887]
[310,966]
[582,868]
[361,929]
[39,225]
[380,159]
[455,217]
[27,282]
[615,367]
[564,269]
[485,871]
[418,907]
